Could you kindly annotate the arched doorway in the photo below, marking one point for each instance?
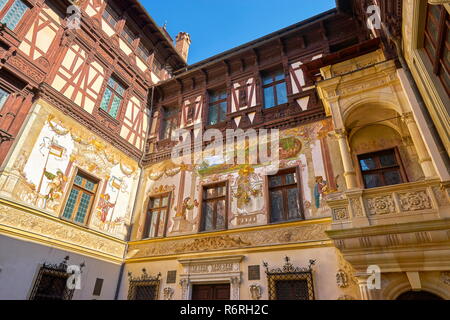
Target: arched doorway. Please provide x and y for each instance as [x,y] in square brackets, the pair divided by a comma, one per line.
[418,295]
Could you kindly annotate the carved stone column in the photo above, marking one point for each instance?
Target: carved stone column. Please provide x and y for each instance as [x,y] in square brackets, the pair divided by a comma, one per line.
[363,289]
[185,286]
[349,169]
[235,287]
[424,157]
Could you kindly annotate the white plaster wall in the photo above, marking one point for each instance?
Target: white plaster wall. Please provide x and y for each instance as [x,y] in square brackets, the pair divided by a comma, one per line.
[20,262]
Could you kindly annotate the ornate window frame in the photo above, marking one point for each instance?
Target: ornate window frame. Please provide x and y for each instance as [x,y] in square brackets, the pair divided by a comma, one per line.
[289,273]
[143,281]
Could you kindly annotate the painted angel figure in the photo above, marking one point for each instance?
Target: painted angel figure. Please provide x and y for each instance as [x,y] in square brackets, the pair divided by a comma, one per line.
[56,185]
[104,206]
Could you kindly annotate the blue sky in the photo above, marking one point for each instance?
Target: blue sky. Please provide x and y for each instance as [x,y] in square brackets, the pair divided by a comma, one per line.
[218,25]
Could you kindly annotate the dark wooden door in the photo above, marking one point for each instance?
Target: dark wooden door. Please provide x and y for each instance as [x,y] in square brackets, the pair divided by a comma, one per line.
[211,292]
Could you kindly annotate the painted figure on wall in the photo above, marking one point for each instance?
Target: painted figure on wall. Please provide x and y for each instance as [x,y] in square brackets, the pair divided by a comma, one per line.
[55,187]
[104,206]
[320,189]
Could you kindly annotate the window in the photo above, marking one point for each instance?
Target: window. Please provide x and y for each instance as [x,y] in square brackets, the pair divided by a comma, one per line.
[111,17]
[81,198]
[128,35]
[169,123]
[112,98]
[14,14]
[437,42]
[290,282]
[143,52]
[51,284]
[155,224]
[291,290]
[381,169]
[3,97]
[285,196]
[214,207]
[144,287]
[275,90]
[144,292]
[217,108]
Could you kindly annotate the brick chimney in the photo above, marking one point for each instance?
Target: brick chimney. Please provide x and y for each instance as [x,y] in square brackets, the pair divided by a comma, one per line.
[183,42]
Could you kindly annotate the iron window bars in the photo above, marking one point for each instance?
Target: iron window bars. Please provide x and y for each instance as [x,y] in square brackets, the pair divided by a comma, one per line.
[144,287]
[289,282]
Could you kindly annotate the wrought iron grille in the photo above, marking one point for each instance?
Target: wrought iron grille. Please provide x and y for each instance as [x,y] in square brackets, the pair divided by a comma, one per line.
[144,287]
[51,283]
[289,282]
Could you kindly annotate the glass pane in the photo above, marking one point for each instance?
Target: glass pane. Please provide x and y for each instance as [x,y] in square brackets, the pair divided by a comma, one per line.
[83,208]
[153,224]
[275,181]
[368,164]
[276,206]
[435,12]
[372,181]
[216,96]
[392,177]
[294,208]
[213,115]
[268,79]
[106,98]
[279,75]
[2,3]
[291,178]
[221,215]
[3,97]
[15,14]
[432,31]
[269,99]
[166,129]
[429,47]
[165,202]
[208,218]
[221,191]
[79,181]
[70,205]
[162,223]
[223,112]
[282,93]
[388,160]
[90,185]
[156,203]
[115,106]
[210,193]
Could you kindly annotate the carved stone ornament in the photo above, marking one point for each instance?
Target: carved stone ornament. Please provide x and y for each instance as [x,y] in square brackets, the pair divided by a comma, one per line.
[415,201]
[168,293]
[255,291]
[340,214]
[342,279]
[381,205]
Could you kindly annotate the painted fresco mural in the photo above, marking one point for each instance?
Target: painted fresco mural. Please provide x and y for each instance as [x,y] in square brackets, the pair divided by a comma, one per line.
[52,152]
[309,147]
